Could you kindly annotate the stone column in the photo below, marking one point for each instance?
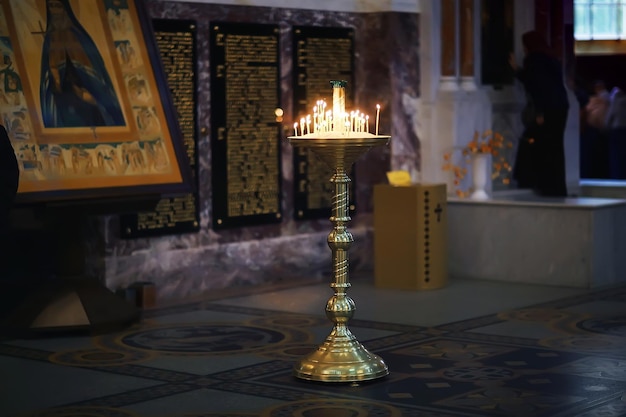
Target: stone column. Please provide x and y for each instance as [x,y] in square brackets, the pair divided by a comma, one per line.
[449,113]
[466,44]
[457,45]
[449,45]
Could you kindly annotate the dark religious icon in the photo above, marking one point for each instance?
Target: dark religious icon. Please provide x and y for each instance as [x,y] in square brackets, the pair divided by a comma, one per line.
[76,89]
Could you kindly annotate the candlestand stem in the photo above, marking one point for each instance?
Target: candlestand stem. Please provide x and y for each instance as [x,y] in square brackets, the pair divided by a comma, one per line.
[341,358]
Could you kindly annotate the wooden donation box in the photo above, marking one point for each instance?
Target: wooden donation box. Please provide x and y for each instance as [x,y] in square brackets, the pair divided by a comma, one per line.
[410,236]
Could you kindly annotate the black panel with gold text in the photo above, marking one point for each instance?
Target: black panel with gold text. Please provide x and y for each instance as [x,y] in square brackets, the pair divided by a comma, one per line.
[176,40]
[320,54]
[245,137]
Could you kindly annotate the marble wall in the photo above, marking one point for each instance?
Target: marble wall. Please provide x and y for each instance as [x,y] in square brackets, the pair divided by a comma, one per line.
[573,242]
[387,72]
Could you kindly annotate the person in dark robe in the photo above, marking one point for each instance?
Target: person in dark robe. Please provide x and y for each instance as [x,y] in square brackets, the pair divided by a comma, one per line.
[616,131]
[597,132]
[542,167]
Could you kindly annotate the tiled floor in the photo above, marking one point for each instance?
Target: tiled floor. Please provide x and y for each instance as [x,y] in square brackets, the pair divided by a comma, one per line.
[473,348]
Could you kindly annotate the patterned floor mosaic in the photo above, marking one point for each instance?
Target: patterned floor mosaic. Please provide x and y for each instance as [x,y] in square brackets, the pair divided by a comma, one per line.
[208,359]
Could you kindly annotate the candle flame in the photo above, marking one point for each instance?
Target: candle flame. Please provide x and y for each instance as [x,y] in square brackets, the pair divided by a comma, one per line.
[337,121]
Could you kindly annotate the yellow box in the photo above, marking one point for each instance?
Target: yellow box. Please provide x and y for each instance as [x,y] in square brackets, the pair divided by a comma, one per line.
[410,236]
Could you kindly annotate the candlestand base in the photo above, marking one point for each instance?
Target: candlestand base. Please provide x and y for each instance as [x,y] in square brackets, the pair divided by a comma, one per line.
[341,358]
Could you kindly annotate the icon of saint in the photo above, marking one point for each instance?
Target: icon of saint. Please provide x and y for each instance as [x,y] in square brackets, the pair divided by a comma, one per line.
[76,89]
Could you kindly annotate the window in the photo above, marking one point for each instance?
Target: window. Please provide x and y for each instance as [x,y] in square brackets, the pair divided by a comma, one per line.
[599,20]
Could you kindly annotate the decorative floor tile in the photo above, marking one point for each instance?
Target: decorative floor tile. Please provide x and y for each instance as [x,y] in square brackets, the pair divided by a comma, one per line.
[212,359]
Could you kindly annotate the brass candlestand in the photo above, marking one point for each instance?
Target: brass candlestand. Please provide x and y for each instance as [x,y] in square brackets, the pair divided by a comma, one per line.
[341,358]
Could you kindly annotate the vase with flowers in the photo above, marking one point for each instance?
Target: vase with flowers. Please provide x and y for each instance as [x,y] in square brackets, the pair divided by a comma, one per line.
[487,157]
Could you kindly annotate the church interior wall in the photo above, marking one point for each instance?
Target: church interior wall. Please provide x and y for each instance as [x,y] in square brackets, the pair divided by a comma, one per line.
[397,64]
[386,72]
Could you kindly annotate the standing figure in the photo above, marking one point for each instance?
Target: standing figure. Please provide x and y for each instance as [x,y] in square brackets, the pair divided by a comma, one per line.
[596,113]
[75,89]
[616,130]
[542,77]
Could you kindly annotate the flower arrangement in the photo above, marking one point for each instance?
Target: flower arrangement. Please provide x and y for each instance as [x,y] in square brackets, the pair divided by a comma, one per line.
[489,142]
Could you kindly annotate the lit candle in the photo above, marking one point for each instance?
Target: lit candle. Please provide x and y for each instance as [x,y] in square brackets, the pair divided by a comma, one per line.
[302,124]
[377,117]
[339,103]
[367,123]
[329,120]
[295,127]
